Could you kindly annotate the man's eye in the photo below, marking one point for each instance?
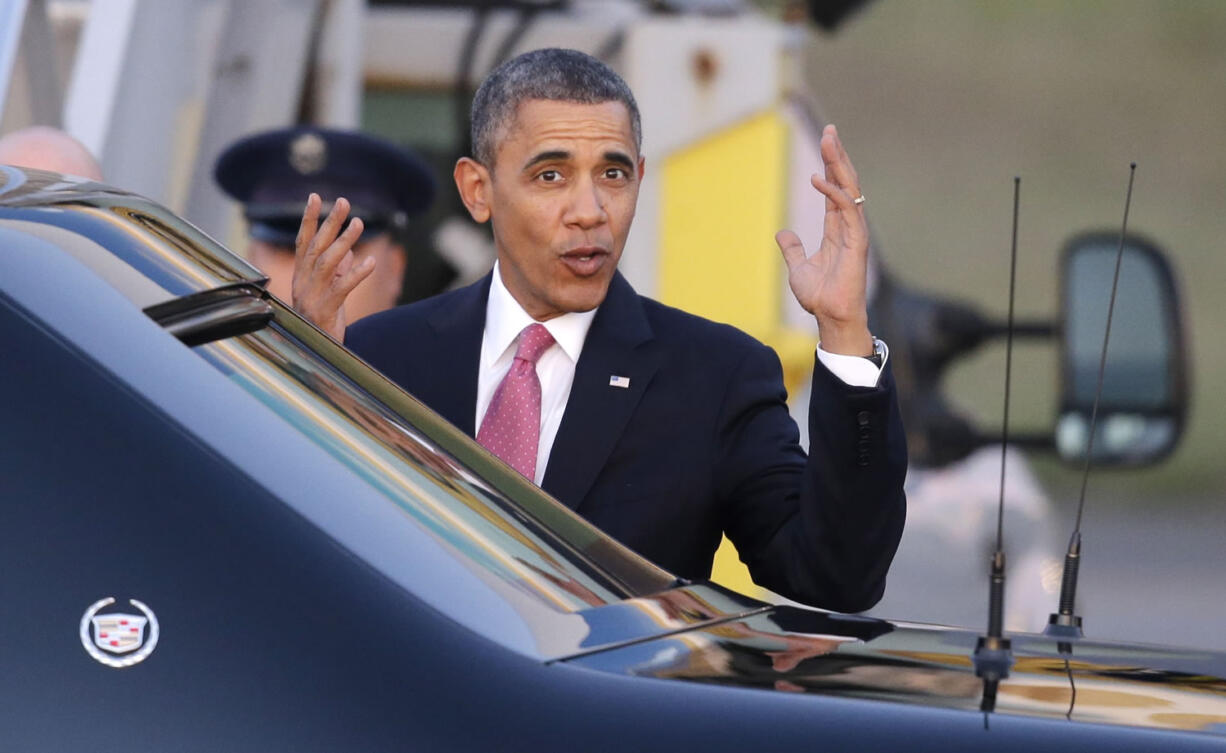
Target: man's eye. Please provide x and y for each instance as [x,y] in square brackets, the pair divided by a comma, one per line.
[615,173]
[550,176]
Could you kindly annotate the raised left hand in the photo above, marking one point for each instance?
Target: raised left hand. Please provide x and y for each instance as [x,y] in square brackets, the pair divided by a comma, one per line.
[831,284]
[325,269]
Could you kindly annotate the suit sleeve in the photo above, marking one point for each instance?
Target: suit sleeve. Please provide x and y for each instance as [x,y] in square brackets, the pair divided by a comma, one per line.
[820,529]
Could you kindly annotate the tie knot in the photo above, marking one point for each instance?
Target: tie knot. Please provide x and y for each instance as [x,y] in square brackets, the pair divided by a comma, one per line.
[533,341]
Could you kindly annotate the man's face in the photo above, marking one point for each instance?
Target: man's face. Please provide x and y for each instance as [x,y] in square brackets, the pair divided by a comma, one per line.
[561,196]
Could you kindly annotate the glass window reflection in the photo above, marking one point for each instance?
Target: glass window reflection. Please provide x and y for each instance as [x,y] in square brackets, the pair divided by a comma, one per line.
[474,520]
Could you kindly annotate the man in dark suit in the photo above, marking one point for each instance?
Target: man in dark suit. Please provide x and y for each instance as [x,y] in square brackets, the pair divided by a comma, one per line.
[662,428]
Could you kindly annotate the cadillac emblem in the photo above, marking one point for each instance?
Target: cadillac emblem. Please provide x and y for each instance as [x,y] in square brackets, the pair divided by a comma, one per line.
[117,639]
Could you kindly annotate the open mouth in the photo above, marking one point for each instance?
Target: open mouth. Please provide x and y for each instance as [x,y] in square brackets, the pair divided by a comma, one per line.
[586,261]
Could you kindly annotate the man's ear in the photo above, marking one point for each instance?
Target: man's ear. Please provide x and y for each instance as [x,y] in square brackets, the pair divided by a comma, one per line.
[642,167]
[472,180]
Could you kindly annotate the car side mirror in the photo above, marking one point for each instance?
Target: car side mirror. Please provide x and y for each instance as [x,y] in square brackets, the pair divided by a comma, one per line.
[1144,396]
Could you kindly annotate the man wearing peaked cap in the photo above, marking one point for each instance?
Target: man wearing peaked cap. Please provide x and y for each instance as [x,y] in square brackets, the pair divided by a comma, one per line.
[272,173]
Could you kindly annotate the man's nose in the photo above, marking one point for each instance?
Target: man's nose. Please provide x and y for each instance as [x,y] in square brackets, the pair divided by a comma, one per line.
[586,209]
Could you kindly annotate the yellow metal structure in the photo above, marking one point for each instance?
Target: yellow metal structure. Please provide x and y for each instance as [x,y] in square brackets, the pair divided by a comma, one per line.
[722,199]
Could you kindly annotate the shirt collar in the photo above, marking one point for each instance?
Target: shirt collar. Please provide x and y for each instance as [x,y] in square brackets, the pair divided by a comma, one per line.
[505,319]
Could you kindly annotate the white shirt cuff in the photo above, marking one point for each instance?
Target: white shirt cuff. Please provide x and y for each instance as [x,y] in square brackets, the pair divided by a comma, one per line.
[856,371]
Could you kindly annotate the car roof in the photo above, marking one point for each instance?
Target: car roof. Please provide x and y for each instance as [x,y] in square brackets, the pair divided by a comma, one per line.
[806,652]
[163,258]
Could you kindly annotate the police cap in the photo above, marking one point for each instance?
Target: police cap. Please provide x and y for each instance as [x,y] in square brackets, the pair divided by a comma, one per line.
[273,172]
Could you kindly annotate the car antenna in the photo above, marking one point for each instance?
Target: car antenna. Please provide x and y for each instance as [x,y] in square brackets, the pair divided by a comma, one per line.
[1065,623]
[993,655]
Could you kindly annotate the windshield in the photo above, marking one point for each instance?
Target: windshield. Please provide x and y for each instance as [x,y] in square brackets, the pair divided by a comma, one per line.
[486,514]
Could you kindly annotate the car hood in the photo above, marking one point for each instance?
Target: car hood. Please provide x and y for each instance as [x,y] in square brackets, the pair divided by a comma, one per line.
[802,651]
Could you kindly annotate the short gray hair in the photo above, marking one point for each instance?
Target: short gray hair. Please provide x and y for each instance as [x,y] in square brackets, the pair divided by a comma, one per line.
[551,74]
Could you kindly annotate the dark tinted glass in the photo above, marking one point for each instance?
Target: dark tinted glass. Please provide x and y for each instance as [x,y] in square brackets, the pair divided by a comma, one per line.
[543,550]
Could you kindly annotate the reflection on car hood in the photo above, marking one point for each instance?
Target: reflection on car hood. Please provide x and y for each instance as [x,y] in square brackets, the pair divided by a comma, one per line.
[141,248]
[792,650]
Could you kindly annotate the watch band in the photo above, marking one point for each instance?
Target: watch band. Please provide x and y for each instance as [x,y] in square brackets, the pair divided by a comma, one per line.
[878,356]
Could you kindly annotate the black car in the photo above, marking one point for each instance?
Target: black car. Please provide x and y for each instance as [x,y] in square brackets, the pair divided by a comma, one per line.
[221,531]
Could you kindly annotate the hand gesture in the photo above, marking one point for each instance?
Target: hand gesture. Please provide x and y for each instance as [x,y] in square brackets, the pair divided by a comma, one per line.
[831,283]
[324,268]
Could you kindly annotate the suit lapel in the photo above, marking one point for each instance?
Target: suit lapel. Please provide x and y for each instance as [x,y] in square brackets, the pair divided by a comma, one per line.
[459,329]
[617,345]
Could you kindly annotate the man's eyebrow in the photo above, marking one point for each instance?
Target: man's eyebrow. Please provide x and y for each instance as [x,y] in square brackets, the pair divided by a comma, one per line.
[619,158]
[561,155]
[551,156]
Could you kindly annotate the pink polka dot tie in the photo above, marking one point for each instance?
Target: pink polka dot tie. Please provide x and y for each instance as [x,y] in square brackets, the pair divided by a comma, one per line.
[511,428]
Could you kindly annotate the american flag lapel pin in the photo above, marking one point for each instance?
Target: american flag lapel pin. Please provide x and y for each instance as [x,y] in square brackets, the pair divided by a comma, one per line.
[619,381]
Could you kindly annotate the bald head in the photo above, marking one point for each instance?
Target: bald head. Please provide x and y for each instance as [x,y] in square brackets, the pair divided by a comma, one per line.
[45,148]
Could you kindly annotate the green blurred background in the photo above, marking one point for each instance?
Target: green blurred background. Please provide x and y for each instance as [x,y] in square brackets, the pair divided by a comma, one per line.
[942,102]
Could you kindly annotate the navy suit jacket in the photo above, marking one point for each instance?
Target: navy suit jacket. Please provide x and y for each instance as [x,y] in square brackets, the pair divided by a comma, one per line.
[700,442]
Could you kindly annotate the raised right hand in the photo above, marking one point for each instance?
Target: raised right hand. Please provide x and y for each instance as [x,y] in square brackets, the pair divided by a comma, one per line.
[832,283]
[324,269]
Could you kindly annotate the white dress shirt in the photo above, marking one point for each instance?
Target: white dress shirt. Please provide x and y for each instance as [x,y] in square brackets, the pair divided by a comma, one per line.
[505,319]
[855,370]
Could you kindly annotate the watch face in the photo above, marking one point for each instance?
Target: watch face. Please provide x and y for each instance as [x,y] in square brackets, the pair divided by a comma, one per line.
[878,356]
